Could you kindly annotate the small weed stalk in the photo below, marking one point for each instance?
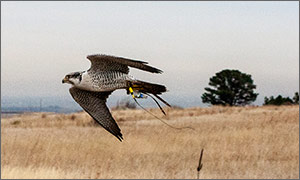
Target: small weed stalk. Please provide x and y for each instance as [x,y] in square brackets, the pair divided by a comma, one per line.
[200,164]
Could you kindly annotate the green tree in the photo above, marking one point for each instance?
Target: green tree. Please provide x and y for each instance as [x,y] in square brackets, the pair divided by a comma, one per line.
[268,100]
[230,87]
[279,100]
[296,98]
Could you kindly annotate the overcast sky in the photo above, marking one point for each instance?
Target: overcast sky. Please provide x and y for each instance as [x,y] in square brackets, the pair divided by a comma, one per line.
[189,41]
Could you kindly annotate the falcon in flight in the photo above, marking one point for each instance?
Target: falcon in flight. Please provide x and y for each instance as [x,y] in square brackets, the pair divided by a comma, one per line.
[91,88]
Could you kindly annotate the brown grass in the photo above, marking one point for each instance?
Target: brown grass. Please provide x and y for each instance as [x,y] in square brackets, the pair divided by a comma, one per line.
[249,142]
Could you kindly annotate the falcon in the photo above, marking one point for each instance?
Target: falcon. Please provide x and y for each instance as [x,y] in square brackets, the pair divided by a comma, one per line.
[91,88]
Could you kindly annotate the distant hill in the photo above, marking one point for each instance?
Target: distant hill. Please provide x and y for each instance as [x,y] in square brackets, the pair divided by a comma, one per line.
[37,104]
[65,104]
[57,109]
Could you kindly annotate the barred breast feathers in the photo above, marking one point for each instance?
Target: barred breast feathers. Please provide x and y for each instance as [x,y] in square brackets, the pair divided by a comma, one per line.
[104,81]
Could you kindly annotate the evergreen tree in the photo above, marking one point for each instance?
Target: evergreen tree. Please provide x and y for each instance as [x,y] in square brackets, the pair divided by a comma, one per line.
[296,98]
[279,100]
[230,87]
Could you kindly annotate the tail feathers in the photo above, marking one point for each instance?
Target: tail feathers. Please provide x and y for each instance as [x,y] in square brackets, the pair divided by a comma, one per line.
[146,88]
[162,100]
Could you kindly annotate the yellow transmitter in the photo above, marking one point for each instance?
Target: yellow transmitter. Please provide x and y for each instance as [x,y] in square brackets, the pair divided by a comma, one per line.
[131,92]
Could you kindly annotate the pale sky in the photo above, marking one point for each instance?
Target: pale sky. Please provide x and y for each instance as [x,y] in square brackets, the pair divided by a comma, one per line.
[189,41]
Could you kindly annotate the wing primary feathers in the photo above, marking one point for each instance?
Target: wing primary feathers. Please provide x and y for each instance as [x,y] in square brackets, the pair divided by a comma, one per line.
[106,63]
[116,133]
[94,103]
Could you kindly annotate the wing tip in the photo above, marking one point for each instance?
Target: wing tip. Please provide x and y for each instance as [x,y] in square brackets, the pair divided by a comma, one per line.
[155,70]
[120,137]
[159,71]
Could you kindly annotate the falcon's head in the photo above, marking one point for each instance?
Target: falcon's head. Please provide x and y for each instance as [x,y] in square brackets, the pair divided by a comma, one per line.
[73,78]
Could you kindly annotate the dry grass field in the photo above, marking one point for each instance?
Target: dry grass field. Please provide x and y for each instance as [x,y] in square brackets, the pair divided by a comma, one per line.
[238,142]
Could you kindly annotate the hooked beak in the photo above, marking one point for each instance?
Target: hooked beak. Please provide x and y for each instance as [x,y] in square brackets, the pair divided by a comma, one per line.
[64,80]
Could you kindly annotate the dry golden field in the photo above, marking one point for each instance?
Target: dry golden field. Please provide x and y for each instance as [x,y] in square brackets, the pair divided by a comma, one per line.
[238,142]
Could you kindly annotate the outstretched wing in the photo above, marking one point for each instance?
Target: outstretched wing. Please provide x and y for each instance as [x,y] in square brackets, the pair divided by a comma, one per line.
[94,103]
[102,62]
